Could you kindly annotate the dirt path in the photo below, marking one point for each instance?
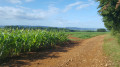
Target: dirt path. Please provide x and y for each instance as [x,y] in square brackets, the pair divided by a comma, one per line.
[87,53]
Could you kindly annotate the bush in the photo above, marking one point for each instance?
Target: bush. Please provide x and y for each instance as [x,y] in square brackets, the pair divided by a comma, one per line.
[101,30]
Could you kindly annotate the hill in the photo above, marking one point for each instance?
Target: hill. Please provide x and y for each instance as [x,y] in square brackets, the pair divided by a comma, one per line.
[45,27]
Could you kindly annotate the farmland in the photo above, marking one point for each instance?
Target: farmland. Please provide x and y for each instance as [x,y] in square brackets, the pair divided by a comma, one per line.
[28,44]
[84,51]
[15,41]
[85,35]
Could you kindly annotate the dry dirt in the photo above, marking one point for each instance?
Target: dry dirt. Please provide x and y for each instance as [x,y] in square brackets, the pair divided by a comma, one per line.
[85,53]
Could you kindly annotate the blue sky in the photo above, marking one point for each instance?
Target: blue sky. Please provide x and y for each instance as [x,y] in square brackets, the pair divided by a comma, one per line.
[55,13]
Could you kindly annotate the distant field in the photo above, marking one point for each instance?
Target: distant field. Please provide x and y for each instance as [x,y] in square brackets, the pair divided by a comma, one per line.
[85,35]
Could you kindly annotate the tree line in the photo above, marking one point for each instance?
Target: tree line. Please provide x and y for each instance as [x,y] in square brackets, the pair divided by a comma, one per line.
[41,28]
[110,11]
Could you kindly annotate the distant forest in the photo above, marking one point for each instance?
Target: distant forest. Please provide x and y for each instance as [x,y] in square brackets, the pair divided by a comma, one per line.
[41,28]
[55,28]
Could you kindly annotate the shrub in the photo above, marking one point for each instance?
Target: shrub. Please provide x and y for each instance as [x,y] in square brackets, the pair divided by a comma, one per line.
[101,30]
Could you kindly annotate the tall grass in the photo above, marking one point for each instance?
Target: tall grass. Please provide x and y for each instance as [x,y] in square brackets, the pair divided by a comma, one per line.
[112,49]
[14,41]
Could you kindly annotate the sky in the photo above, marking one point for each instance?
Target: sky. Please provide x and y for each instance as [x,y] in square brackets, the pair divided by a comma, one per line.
[54,13]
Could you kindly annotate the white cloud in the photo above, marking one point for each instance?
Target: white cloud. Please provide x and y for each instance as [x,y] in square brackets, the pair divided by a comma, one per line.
[14,1]
[79,5]
[18,1]
[24,13]
[89,3]
[68,7]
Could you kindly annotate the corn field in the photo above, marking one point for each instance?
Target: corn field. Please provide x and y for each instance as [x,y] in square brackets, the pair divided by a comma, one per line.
[14,41]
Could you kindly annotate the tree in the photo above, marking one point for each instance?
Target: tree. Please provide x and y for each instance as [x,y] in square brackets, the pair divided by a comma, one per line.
[101,30]
[118,4]
[111,16]
[108,4]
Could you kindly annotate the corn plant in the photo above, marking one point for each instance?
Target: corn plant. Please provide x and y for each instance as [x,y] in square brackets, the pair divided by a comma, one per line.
[15,41]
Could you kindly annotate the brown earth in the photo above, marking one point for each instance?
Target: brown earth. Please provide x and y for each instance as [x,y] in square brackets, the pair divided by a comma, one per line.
[85,53]
[74,38]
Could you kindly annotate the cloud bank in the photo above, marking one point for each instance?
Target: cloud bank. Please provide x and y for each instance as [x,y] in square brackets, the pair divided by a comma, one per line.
[19,12]
[24,13]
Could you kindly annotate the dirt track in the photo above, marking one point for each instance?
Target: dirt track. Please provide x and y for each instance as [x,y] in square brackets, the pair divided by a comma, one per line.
[86,53]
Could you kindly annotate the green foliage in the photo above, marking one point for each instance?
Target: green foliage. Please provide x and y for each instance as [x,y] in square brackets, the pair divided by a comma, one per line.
[14,41]
[112,49]
[85,35]
[101,30]
[111,16]
[111,19]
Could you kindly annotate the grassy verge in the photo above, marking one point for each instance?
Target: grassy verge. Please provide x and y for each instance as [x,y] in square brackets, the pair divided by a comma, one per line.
[112,49]
[85,35]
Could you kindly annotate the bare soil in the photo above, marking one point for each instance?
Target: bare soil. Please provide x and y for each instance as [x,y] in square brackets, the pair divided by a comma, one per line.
[83,53]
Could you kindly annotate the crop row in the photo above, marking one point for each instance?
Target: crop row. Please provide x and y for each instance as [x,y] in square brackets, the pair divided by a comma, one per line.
[13,42]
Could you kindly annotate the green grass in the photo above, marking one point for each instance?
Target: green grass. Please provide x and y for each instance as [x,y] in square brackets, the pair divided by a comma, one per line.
[13,42]
[85,35]
[112,49]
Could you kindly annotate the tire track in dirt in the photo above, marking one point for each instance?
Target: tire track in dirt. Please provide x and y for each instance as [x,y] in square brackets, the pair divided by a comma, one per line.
[86,53]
